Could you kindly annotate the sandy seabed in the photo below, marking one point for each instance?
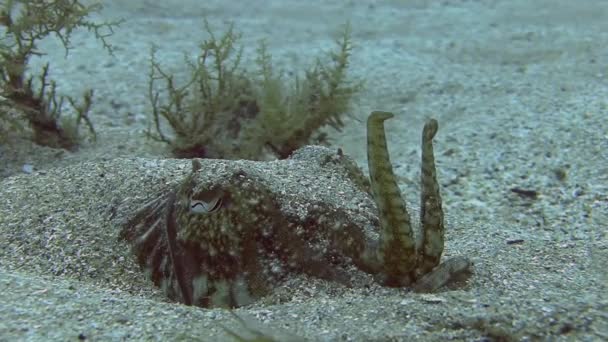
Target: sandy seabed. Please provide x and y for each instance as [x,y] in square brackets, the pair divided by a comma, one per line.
[520,89]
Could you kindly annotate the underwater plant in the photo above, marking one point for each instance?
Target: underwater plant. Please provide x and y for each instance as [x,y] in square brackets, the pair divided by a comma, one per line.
[226,111]
[206,112]
[289,118]
[34,99]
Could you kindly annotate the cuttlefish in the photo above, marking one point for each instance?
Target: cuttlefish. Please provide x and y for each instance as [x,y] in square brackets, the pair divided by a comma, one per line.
[232,231]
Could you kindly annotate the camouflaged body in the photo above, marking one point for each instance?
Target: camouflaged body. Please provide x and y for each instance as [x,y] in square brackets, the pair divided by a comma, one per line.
[308,214]
[233,230]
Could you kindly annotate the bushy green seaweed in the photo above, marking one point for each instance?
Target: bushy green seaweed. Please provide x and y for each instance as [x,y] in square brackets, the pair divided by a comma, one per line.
[24,24]
[206,112]
[227,111]
[290,116]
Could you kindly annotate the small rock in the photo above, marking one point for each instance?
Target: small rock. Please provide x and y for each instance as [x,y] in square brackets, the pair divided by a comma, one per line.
[27,168]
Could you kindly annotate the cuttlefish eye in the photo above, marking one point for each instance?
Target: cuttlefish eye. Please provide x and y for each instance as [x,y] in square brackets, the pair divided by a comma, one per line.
[206,203]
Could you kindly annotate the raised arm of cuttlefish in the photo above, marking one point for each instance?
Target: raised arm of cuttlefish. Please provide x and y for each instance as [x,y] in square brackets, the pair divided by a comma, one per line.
[402,261]
[231,233]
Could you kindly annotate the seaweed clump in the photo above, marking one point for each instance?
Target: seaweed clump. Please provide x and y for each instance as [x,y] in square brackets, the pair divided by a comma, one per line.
[34,99]
[226,111]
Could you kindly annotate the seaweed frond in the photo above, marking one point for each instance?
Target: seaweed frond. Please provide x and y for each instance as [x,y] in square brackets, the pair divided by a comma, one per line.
[226,111]
[322,98]
[205,112]
[24,23]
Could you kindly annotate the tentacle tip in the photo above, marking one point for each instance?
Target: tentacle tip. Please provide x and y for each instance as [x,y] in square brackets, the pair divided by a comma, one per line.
[430,128]
[380,116]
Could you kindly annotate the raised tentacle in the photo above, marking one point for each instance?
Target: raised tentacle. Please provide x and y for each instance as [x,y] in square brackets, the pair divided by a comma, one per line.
[397,249]
[431,212]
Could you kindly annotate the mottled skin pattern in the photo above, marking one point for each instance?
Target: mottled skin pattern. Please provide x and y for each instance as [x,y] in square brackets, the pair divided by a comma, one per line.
[404,261]
[225,242]
[225,256]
